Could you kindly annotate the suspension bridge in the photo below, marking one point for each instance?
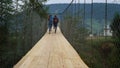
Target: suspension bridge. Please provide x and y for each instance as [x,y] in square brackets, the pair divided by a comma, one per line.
[84,37]
[52,51]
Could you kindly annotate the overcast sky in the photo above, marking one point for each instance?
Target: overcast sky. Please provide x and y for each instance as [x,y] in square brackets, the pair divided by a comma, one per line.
[81,1]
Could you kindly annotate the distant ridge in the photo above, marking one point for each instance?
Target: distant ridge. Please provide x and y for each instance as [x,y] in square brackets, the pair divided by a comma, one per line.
[98,9]
[98,13]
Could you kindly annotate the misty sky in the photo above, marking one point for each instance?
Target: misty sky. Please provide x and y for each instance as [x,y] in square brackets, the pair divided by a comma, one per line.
[81,1]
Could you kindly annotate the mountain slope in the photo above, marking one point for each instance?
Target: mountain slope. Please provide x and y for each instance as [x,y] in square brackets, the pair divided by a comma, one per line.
[98,13]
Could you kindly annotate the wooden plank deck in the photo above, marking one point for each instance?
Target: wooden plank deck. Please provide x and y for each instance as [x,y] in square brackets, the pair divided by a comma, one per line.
[52,51]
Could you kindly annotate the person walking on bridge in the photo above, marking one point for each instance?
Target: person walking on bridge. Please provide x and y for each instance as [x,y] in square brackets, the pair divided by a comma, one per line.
[50,19]
[55,22]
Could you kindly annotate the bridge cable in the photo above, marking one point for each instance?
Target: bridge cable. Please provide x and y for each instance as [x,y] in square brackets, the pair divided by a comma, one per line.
[105,28]
[91,27]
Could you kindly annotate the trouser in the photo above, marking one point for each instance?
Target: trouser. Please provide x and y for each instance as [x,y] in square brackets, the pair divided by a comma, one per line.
[49,27]
[55,26]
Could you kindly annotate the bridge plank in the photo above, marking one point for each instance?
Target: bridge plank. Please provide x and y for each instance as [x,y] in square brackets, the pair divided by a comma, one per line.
[52,51]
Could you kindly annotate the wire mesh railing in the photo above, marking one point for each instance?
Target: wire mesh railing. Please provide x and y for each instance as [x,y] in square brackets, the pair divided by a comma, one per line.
[25,28]
[89,28]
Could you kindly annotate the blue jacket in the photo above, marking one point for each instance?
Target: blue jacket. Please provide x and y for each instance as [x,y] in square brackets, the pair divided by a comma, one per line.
[50,19]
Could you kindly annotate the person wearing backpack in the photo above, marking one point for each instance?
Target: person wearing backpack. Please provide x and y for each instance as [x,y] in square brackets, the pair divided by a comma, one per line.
[55,22]
[50,19]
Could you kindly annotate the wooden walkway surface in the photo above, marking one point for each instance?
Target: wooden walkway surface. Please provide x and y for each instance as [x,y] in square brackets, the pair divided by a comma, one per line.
[52,51]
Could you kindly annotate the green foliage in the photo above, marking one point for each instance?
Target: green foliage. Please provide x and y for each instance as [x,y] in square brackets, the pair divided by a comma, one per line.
[97,52]
[5,10]
[5,15]
[3,34]
[20,28]
[39,8]
[73,28]
[115,26]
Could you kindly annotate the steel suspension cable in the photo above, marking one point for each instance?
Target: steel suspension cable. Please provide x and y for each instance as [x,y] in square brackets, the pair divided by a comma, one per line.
[91,27]
[84,13]
[31,24]
[16,30]
[84,18]
[67,7]
[24,26]
[105,28]
[91,16]
[1,7]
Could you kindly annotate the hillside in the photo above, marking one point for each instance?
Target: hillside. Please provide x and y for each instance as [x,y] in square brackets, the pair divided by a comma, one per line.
[98,13]
[98,9]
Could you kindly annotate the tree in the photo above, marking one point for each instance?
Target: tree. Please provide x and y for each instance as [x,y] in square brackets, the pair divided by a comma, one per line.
[115,26]
[5,13]
[39,7]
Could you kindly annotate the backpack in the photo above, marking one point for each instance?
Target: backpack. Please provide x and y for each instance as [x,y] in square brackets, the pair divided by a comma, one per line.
[56,20]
